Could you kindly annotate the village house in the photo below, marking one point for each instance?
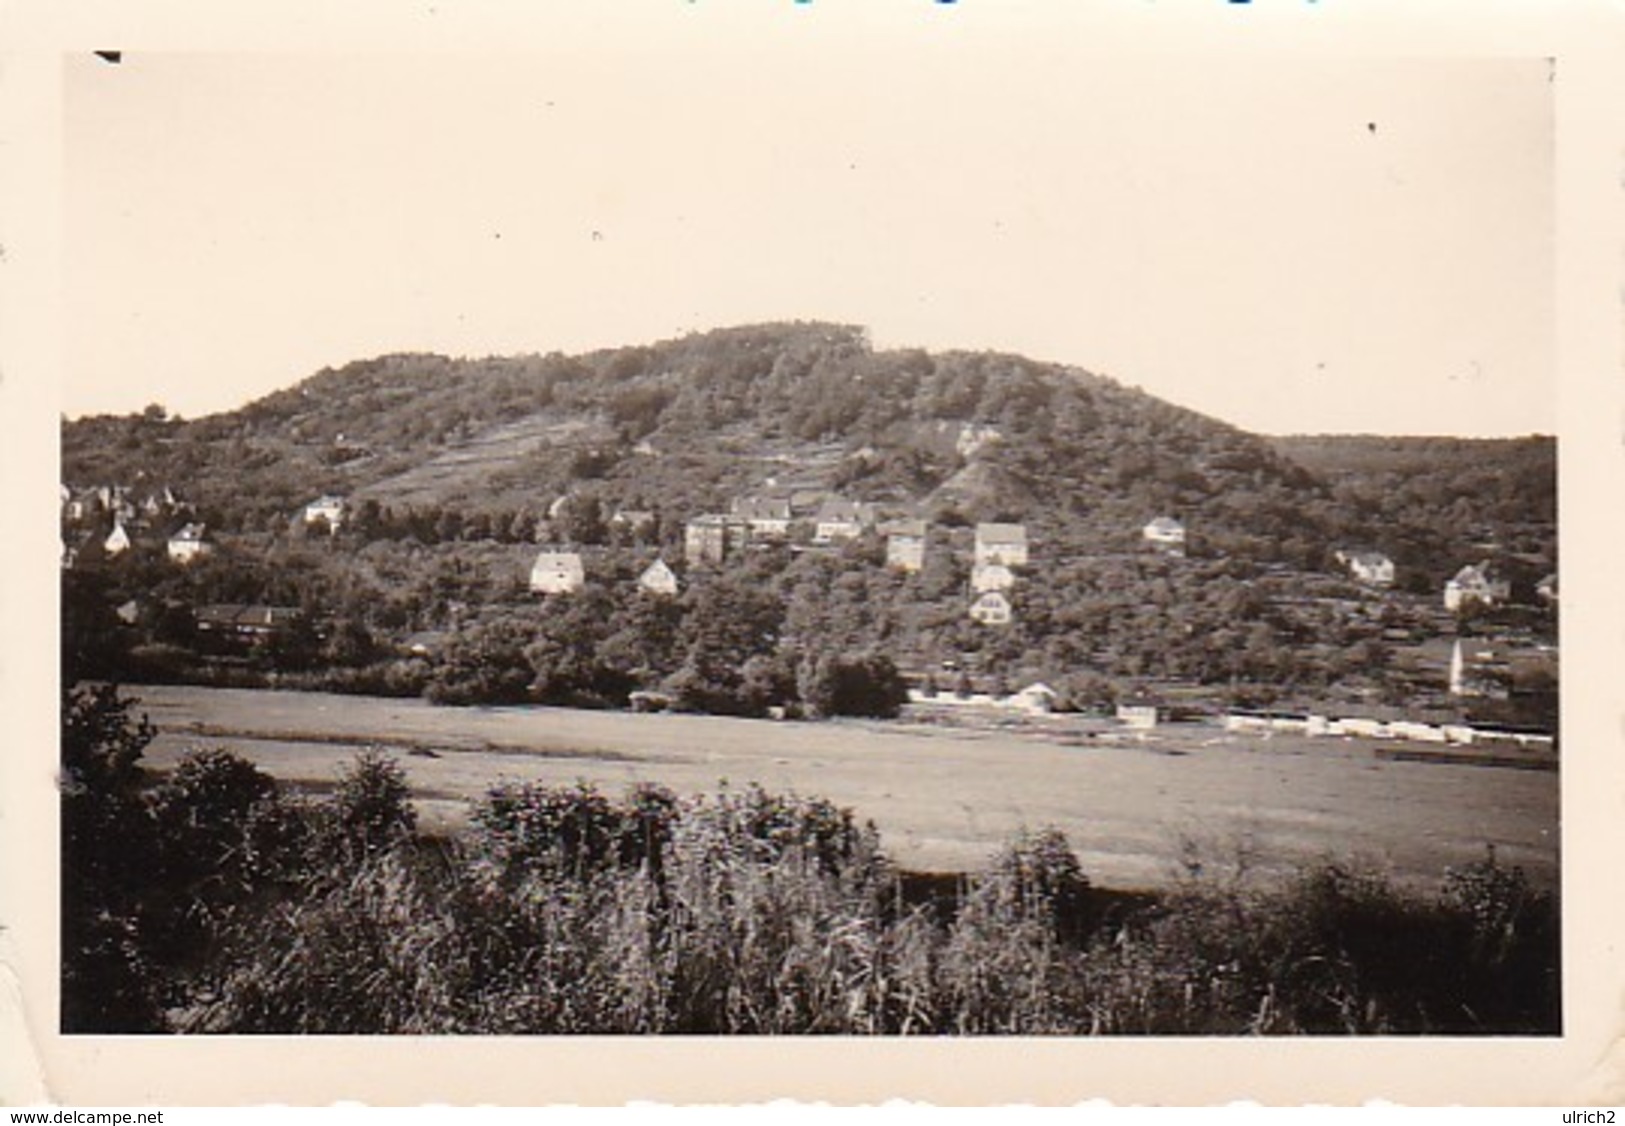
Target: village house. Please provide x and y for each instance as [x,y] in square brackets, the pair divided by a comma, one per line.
[1370,567]
[1546,589]
[188,544]
[327,510]
[992,609]
[839,519]
[711,538]
[905,544]
[1476,583]
[634,522]
[659,579]
[118,540]
[767,517]
[1165,534]
[557,572]
[1037,698]
[1001,543]
[991,576]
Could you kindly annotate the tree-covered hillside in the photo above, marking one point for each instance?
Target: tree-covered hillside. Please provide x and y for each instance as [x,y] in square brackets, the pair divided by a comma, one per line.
[455,470]
[684,425]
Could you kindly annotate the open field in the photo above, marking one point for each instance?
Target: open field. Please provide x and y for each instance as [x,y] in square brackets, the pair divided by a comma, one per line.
[944,799]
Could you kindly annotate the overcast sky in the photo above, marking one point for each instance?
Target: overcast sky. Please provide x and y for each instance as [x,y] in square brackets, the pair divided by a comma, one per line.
[1291,245]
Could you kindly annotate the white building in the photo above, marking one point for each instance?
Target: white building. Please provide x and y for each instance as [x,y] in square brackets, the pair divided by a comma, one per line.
[1476,583]
[991,609]
[188,544]
[842,520]
[658,578]
[326,509]
[1370,567]
[117,541]
[557,572]
[1166,534]
[905,544]
[1001,543]
[991,576]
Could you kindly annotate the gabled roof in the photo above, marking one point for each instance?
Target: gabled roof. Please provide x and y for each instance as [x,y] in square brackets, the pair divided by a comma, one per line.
[564,559]
[191,533]
[837,508]
[761,508]
[1001,533]
[909,528]
[658,568]
[1474,573]
[1165,524]
[715,520]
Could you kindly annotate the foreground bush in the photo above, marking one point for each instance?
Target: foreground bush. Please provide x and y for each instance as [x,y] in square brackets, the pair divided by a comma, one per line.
[212,902]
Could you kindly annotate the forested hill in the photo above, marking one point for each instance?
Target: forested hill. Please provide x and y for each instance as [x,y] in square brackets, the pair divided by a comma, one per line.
[681,427]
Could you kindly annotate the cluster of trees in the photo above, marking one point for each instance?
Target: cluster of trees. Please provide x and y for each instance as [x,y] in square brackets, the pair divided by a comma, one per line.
[154,866]
[720,648]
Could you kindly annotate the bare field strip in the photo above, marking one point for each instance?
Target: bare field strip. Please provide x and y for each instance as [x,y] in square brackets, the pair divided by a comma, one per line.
[943,798]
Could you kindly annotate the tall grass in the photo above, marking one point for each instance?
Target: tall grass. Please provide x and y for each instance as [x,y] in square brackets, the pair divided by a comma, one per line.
[563,910]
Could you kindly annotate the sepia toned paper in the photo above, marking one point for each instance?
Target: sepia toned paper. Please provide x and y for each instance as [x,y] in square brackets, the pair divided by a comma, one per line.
[978,179]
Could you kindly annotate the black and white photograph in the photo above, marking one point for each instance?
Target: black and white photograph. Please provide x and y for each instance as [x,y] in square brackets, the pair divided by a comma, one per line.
[925,535]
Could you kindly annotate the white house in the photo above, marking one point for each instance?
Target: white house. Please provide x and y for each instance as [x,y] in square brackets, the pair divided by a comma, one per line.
[991,609]
[991,576]
[842,520]
[118,540]
[1476,583]
[188,544]
[658,579]
[557,572]
[768,517]
[905,544]
[328,509]
[633,521]
[1166,534]
[1546,589]
[1001,543]
[1370,567]
[1037,699]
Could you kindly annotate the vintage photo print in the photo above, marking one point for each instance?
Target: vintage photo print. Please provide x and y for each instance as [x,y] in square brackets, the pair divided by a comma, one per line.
[720,555]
